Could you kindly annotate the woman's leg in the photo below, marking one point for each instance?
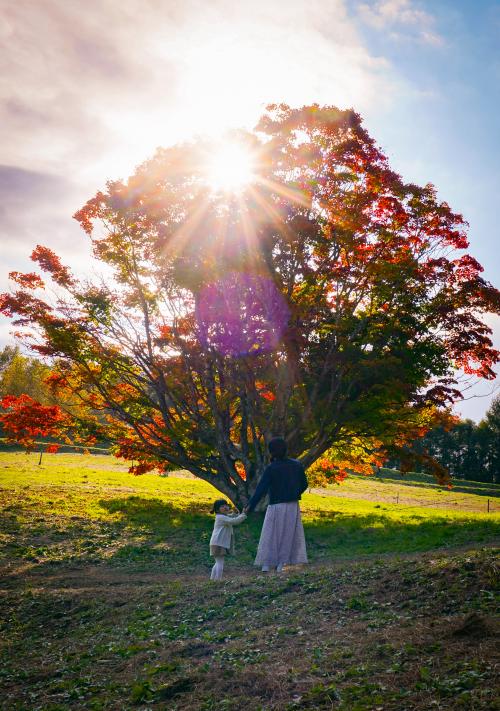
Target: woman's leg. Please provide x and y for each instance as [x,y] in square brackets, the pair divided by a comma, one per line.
[268,568]
[218,568]
[267,550]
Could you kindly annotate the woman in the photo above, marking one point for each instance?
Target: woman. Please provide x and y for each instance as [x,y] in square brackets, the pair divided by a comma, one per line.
[282,539]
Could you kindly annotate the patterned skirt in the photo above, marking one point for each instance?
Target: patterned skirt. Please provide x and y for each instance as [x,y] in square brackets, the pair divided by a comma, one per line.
[282,537]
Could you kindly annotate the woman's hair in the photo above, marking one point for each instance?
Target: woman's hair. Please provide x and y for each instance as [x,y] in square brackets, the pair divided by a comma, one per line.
[218,504]
[277,448]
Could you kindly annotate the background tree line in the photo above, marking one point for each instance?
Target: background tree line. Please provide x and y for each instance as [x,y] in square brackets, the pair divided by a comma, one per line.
[22,374]
[468,450]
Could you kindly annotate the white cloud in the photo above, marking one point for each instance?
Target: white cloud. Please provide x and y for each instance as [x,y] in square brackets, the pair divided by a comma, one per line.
[401,19]
[89,90]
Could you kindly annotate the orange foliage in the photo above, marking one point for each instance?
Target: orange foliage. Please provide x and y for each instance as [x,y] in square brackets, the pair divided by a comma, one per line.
[25,419]
[27,281]
[241,470]
[50,262]
[265,391]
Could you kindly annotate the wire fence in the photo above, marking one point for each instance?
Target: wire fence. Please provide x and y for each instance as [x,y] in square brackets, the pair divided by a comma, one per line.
[480,503]
[77,449]
[491,505]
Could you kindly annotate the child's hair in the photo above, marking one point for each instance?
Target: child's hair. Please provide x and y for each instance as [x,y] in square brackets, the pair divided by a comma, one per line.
[218,504]
[277,448]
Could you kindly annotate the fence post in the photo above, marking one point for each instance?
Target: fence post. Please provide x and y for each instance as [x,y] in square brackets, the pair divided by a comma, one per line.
[397,498]
[488,505]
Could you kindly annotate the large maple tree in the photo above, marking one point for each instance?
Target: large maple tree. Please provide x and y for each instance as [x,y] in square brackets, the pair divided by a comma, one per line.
[329,302]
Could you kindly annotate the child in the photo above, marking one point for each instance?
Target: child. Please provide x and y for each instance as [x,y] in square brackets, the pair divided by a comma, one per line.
[222,540]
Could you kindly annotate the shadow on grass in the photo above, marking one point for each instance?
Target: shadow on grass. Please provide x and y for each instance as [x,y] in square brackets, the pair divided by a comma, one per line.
[341,535]
[158,536]
[180,536]
[158,516]
[165,536]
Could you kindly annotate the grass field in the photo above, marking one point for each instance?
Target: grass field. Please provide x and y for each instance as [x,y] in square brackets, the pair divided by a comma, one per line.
[106,602]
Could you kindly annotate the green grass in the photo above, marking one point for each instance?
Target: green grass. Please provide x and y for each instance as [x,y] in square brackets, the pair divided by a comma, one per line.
[105,601]
[426,480]
[88,508]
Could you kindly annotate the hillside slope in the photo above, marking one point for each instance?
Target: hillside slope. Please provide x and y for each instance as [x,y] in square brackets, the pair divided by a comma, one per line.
[105,601]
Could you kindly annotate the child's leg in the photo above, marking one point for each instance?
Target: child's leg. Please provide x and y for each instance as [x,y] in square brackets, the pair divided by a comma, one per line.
[218,568]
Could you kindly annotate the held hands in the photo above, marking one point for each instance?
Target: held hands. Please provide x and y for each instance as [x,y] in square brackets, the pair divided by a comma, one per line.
[246,510]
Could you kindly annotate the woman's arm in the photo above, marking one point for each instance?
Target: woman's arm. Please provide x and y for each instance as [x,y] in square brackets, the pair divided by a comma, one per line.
[261,490]
[303,483]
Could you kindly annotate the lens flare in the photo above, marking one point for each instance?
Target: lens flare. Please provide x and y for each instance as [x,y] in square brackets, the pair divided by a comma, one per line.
[242,314]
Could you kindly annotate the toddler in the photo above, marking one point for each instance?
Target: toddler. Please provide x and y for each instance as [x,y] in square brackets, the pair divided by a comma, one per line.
[222,540]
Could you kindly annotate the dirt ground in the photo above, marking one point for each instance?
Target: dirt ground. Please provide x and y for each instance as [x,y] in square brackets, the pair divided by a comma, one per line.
[393,633]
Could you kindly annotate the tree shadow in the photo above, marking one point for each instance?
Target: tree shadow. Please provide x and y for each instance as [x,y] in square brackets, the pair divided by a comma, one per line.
[343,535]
[179,536]
[157,516]
[155,536]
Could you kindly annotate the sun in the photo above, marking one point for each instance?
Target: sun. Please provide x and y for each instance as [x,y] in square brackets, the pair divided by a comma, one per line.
[230,168]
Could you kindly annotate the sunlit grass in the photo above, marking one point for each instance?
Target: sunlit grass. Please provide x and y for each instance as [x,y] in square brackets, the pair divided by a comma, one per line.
[76,507]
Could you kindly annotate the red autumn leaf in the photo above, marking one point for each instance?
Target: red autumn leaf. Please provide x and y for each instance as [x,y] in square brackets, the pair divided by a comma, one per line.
[52,448]
[50,262]
[27,281]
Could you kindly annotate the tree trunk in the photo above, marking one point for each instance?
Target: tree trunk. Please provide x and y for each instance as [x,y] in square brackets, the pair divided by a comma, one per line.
[238,495]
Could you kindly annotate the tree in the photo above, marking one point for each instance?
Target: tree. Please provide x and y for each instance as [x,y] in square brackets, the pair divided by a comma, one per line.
[327,303]
[460,452]
[490,428]
[467,450]
[6,355]
[22,374]
[34,408]
[26,419]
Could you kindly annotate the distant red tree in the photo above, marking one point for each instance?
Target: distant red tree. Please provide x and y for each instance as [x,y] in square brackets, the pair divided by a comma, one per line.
[25,420]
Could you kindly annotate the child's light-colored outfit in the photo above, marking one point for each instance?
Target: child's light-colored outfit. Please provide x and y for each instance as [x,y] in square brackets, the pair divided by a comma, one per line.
[222,541]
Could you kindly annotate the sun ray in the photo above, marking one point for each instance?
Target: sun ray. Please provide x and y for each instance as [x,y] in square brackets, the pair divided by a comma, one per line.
[188,228]
[291,194]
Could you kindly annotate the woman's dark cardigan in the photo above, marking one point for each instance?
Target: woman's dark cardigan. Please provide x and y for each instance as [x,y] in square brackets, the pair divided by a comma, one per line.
[284,480]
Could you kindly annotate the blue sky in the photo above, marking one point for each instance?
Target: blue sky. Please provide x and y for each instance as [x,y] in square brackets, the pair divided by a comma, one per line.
[89,90]
[447,132]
